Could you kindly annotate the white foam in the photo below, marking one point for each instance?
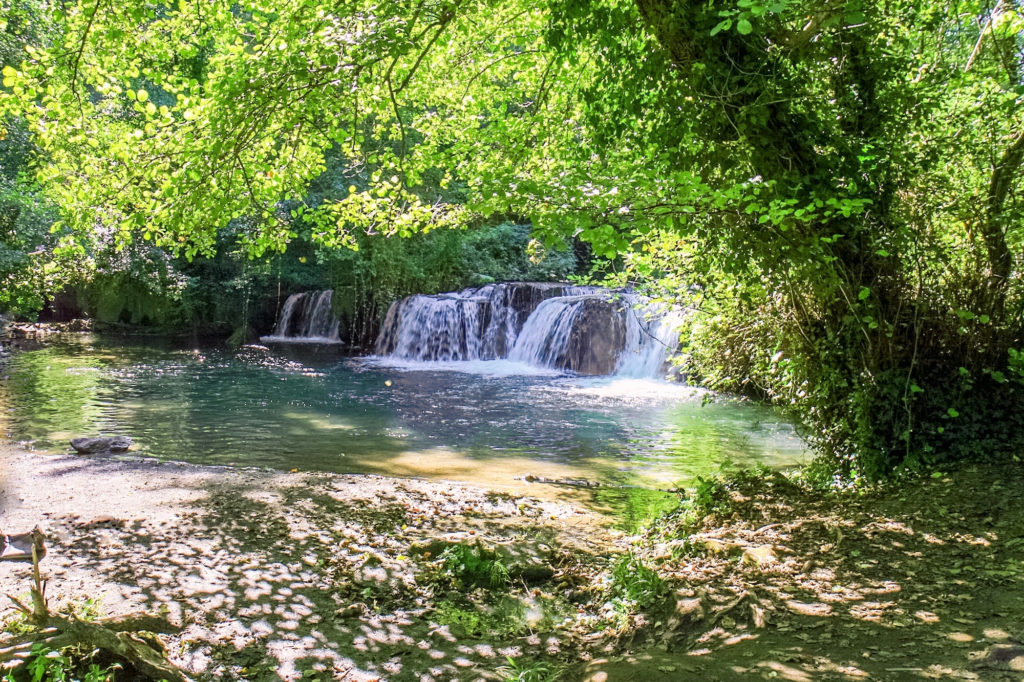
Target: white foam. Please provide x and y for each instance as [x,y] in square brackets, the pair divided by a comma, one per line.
[633,389]
[485,368]
[301,339]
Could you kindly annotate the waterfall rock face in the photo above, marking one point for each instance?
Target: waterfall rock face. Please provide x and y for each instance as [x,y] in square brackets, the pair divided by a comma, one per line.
[582,334]
[474,324]
[307,317]
[597,337]
[586,330]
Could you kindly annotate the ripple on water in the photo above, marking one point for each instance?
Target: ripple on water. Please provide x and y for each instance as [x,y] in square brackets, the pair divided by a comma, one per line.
[315,409]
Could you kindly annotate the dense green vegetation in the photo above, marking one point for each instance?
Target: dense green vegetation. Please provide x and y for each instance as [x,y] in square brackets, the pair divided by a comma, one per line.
[143,286]
[833,185]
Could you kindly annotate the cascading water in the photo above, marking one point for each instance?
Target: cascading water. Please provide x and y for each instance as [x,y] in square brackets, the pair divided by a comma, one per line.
[652,337]
[306,318]
[545,337]
[473,324]
[587,330]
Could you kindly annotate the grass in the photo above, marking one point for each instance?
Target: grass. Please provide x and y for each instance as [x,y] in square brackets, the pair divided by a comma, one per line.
[474,566]
[538,671]
[634,582]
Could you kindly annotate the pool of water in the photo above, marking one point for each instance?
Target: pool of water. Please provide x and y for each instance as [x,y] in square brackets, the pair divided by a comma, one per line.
[313,409]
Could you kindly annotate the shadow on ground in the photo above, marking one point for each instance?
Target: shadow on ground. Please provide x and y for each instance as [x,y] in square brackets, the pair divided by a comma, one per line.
[326,579]
[922,580]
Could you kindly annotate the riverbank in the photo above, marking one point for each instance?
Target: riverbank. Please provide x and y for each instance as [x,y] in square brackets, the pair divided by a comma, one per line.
[287,575]
[917,579]
[291,574]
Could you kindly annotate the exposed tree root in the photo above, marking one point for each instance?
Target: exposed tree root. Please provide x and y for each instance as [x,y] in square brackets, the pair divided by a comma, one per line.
[116,636]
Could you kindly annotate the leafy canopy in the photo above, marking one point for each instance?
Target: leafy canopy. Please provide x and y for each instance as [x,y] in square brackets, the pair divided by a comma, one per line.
[835,182]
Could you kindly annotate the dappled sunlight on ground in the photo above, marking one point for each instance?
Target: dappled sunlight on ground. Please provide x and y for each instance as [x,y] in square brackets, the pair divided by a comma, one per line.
[326,577]
[321,576]
[918,581]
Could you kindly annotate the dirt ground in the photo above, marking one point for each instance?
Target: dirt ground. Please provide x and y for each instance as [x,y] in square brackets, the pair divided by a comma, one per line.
[278,575]
[919,580]
[294,575]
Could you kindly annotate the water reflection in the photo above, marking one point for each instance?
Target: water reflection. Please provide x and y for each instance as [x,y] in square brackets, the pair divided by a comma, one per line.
[312,408]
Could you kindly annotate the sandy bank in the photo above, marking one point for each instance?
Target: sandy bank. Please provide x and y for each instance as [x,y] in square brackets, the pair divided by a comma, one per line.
[276,574]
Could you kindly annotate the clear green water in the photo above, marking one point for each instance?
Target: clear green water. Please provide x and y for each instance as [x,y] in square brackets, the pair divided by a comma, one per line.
[311,408]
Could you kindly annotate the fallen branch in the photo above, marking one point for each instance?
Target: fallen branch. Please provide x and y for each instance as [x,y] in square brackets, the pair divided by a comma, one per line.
[143,657]
[114,635]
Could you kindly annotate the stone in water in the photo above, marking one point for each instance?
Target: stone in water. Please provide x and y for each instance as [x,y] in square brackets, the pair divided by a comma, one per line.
[92,446]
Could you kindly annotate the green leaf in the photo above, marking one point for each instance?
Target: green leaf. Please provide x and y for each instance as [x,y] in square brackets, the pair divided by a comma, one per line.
[141,95]
[723,25]
[864,294]
[952,413]
[744,27]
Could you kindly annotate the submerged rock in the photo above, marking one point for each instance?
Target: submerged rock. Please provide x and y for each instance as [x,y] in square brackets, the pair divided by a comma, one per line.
[92,446]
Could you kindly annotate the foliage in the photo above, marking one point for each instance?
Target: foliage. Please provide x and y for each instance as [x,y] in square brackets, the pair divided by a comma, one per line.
[506,253]
[474,566]
[540,671]
[635,583]
[505,617]
[367,280]
[716,496]
[847,172]
[47,665]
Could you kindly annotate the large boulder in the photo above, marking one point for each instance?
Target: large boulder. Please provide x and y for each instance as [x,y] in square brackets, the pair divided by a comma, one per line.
[597,337]
[93,446]
[524,297]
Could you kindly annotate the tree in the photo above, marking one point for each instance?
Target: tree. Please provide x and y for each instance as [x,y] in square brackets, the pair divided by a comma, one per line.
[846,172]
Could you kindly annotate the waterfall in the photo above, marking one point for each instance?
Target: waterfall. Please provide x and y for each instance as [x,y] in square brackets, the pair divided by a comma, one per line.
[544,340]
[652,331]
[435,328]
[306,317]
[586,330]
[474,324]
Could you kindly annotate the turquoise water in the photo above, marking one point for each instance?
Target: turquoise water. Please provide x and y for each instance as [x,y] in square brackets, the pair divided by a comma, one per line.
[313,409]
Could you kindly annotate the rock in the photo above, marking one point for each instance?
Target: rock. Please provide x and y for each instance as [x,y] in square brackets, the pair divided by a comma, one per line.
[574,482]
[525,561]
[716,546]
[533,573]
[92,446]
[524,297]
[597,337]
[355,610]
[103,520]
[432,548]
[1002,657]
[760,556]
[480,323]
[687,614]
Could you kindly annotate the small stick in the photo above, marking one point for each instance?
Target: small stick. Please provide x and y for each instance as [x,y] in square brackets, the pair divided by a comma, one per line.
[41,612]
